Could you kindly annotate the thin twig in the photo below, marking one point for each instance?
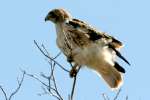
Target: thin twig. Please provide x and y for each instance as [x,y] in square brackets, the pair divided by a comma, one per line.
[50,89]
[52,86]
[55,85]
[50,57]
[19,86]
[126,97]
[3,91]
[54,82]
[48,52]
[51,72]
[45,91]
[36,78]
[57,55]
[44,76]
[51,77]
[53,91]
[115,98]
[105,96]
[45,50]
[15,91]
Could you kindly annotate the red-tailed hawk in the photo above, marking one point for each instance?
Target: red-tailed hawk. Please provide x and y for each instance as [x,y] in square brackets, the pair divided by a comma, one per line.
[84,45]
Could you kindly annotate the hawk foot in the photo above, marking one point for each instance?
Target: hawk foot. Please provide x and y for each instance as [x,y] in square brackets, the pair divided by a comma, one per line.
[73,72]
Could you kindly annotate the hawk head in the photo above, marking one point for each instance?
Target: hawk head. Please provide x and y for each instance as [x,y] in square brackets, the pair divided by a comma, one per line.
[57,15]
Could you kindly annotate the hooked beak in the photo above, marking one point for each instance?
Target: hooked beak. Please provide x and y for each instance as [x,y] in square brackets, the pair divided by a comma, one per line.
[46,18]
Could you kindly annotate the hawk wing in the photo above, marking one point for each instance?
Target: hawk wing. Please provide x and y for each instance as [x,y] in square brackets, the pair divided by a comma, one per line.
[77,26]
[89,34]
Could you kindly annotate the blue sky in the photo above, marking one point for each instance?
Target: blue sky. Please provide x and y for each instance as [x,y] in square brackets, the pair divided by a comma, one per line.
[22,22]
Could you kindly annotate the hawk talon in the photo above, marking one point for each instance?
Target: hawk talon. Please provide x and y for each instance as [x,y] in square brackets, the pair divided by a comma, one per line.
[73,72]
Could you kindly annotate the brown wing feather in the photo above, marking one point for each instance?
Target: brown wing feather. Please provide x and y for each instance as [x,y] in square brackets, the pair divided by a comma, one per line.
[91,33]
[116,43]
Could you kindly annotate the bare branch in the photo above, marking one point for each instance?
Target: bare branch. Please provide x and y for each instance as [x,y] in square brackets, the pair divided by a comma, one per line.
[45,50]
[36,78]
[57,55]
[3,91]
[105,97]
[44,91]
[51,78]
[48,52]
[15,91]
[50,57]
[126,97]
[50,89]
[19,86]
[74,83]
[54,81]
[115,98]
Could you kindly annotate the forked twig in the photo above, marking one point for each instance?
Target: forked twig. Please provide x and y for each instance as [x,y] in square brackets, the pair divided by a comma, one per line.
[19,86]
[50,57]
[115,98]
[3,91]
[15,91]
[36,78]
[105,97]
[52,77]
[52,86]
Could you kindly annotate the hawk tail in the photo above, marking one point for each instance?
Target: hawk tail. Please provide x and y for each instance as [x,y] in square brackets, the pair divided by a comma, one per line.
[112,77]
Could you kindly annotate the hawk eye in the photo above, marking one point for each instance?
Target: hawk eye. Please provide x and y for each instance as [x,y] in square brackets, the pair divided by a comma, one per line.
[52,14]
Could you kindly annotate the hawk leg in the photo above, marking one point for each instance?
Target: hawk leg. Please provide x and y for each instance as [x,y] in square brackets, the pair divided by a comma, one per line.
[70,60]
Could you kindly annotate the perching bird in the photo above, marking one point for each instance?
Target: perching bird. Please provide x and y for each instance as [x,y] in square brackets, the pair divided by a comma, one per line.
[85,46]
